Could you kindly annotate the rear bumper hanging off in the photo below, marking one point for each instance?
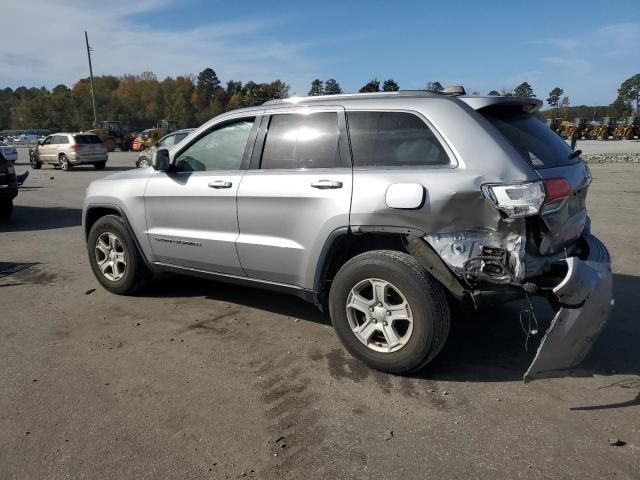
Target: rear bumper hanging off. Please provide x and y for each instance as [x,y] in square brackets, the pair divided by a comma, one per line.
[585,297]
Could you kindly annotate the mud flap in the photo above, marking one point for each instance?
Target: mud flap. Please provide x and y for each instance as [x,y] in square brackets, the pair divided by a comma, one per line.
[586,296]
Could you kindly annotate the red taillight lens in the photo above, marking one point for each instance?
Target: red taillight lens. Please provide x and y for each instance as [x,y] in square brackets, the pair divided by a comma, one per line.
[556,189]
[77,146]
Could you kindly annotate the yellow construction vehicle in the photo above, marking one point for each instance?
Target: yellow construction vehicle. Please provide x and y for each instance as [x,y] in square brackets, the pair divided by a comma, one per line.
[566,129]
[628,129]
[584,127]
[113,135]
[604,130]
[150,136]
[554,124]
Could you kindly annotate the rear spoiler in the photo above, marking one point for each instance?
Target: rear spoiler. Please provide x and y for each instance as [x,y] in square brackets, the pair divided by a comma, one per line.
[478,103]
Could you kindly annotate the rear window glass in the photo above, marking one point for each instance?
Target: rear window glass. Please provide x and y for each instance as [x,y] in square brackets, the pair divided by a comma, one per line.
[84,139]
[538,143]
[393,139]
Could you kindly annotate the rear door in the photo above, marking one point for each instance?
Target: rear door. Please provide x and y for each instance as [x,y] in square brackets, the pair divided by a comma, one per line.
[191,210]
[297,191]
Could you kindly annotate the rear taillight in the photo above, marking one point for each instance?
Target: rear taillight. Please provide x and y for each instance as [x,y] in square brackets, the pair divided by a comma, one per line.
[557,189]
[77,146]
[526,199]
[518,199]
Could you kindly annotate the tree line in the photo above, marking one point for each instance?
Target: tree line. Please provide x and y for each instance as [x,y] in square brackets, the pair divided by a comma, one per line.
[559,104]
[138,101]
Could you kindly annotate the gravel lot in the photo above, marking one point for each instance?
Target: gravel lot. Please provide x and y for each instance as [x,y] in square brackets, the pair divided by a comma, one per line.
[196,379]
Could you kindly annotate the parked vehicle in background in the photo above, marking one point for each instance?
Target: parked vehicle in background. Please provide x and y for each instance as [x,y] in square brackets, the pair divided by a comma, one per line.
[150,136]
[168,141]
[8,184]
[8,152]
[66,150]
[384,209]
[114,135]
[627,129]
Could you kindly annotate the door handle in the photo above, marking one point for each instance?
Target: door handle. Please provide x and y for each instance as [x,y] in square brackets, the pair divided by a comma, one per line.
[326,184]
[220,184]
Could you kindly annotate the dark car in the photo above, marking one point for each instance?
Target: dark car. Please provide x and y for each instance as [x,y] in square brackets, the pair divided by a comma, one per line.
[8,186]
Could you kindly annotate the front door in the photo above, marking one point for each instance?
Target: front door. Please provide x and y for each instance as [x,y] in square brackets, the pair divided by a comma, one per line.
[191,209]
[297,191]
[45,150]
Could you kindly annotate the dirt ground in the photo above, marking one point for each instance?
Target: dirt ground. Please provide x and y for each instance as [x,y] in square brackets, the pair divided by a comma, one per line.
[196,379]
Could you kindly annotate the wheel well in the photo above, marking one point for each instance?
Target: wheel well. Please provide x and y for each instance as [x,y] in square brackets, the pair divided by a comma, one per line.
[347,246]
[95,214]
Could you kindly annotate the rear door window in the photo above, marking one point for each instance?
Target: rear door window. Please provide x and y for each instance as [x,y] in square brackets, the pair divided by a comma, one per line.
[87,139]
[393,139]
[60,140]
[540,146]
[296,141]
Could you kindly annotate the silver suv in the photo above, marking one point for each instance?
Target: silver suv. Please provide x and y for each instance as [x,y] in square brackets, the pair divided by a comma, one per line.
[66,150]
[384,209]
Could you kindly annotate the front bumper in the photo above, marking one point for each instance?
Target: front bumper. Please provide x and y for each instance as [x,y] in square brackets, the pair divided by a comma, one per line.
[585,297]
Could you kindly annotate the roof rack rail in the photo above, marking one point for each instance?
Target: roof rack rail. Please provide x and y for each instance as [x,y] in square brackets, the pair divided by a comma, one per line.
[321,98]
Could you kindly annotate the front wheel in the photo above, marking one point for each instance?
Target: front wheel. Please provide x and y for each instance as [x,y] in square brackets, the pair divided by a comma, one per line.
[34,162]
[113,256]
[388,311]
[143,162]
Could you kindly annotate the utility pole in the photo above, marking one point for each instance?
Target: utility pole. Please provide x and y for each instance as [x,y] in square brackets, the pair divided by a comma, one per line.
[93,96]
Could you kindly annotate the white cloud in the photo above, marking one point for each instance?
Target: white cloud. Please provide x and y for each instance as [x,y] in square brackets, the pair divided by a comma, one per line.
[43,44]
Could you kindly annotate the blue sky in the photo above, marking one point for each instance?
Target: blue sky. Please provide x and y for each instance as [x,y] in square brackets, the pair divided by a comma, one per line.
[587,48]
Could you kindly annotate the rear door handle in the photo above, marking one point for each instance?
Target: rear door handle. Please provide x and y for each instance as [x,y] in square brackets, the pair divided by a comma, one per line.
[326,184]
[220,184]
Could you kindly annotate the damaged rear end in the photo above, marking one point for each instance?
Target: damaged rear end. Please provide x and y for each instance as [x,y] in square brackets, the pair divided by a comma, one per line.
[542,244]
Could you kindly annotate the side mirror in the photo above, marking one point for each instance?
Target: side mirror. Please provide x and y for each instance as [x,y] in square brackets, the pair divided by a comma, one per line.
[160,160]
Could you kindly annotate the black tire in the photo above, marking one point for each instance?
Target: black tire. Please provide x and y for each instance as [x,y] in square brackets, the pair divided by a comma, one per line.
[64,163]
[136,274]
[143,162]
[6,209]
[100,165]
[34,162]
[426,298]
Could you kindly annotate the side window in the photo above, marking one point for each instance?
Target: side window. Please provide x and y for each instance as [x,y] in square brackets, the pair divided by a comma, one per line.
[179,137]
[61,139]
[167,141]
[47,141]
[393,139]
[220,149]
[301,141]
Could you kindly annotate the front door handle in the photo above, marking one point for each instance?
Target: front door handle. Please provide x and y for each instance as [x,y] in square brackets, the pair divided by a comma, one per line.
[326,184]
[220,184]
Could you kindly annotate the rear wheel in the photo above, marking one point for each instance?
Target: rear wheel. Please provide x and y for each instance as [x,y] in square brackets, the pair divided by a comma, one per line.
[65,165]
[99,165]
[6,209]
[388,311]
[143,162]
[114,259]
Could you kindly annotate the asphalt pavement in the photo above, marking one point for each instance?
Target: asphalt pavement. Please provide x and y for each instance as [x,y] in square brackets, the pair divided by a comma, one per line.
[197,379]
